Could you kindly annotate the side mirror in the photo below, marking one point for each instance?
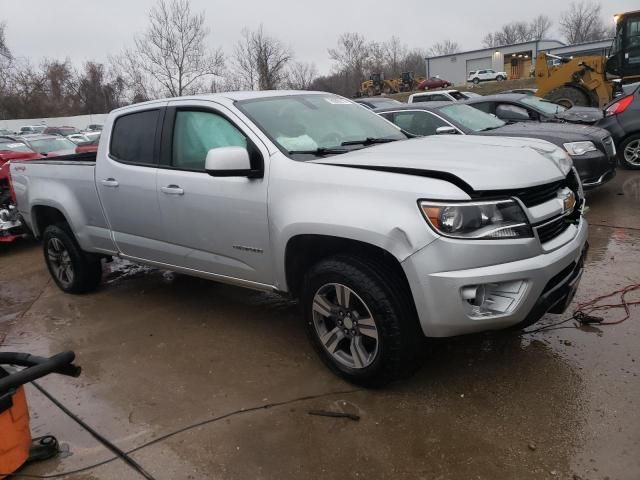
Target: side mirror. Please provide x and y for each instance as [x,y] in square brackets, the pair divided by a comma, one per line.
[230,162]
[446,131]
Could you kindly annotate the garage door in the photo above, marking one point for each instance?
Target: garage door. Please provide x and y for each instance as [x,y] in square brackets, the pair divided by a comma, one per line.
[478,64]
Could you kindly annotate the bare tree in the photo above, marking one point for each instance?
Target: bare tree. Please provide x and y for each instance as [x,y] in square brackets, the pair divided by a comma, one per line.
[138,84]
[539,27]
[376,59]
[301,75]
[260,61]
[173,50]
[414,61]
[445,47]
[583,22]
[6,58]
[351,55]
[395,51]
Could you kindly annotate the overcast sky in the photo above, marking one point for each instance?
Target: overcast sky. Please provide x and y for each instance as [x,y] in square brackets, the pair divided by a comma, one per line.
[94,29]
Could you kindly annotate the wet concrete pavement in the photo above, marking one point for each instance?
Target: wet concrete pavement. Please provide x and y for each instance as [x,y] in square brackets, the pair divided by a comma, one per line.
[163,351]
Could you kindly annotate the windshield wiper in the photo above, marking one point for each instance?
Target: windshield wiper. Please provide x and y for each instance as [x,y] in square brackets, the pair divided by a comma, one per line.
[320,151]
[486,129]
[368,141]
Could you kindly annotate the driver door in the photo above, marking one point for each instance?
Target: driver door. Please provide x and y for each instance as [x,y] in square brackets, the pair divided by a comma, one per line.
[215,225]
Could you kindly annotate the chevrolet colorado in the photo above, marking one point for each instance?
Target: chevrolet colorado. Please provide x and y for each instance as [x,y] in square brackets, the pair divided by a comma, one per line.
[383,239]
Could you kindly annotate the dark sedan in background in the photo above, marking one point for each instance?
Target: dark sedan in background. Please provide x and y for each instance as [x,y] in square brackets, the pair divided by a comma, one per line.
[622,120]
[522,107]
[590,148]
[377,102]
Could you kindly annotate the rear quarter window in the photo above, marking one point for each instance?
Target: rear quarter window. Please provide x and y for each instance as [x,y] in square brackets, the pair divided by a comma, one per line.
[133,138]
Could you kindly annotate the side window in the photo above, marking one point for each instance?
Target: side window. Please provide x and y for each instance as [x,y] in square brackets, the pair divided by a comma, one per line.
[485,107]
[419,123]
[439,98]
[134,136]
[506,111]
[421,99]
[197,132]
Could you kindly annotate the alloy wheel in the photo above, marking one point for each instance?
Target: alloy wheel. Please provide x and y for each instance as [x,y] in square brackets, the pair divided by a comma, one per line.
[60,262]
[345,326]
[632,153]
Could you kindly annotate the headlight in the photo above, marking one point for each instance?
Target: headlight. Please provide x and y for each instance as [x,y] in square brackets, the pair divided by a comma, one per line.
[579,148]
[484,220]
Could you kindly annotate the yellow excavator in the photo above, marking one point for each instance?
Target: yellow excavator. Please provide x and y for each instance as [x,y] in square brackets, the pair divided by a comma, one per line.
[593,81]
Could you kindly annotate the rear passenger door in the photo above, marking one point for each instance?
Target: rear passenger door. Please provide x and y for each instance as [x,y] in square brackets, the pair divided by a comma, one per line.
[126,182]
[216,225]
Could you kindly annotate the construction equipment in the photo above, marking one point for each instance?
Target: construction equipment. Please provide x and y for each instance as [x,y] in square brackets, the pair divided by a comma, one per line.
[377,84]
[588,80]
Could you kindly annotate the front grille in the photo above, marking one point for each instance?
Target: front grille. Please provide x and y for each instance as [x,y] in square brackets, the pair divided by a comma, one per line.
[551,230]
[533,196]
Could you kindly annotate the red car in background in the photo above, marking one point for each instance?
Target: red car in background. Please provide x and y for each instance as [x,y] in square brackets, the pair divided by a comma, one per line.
[10,225]
[433,82]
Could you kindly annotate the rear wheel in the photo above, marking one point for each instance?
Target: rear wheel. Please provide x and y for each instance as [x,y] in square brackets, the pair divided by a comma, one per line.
[363,329]
[569,97]
[476,81]
[629,152]
[73,270]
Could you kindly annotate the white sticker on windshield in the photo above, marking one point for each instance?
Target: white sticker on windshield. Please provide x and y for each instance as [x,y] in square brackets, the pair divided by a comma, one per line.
[337,101]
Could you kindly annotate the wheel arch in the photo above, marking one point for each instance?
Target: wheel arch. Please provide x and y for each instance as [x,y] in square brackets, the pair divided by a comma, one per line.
[44,215]
[304,250]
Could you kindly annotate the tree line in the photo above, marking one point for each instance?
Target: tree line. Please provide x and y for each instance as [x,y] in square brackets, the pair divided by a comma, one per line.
[172,57]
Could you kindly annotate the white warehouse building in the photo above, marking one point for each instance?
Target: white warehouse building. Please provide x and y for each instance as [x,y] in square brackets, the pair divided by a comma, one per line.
[517,60]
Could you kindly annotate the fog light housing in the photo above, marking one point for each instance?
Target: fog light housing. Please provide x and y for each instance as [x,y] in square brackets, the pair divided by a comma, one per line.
[492,299]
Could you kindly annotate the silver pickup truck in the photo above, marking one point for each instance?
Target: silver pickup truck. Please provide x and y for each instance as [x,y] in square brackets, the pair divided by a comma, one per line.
[383,239]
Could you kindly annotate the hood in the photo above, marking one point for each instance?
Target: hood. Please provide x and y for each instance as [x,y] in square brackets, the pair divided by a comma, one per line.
[581,115]
[471,162]
[557,133]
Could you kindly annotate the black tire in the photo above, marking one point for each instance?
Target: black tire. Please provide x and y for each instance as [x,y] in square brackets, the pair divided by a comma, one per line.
[500,78]
[625,158]
[399,339]
[86,270]
[476,81]
[569,97]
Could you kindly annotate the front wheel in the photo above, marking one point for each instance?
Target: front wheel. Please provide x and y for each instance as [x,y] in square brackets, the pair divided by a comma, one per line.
[500,78]
[629,152]
[73,270]
[362,327]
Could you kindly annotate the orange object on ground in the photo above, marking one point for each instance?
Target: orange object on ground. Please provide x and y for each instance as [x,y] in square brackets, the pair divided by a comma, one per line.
[15,436]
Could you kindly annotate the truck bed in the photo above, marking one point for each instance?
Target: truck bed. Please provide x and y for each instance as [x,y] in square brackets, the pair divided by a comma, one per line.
[67,184]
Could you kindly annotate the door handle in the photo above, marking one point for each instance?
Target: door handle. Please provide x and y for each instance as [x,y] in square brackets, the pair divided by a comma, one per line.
[172,190]
[110,182]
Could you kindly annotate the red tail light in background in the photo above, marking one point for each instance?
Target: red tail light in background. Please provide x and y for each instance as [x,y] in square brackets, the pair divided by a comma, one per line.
[619,106]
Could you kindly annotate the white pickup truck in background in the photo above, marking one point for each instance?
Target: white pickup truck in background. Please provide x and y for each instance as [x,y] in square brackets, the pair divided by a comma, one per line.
[384,239]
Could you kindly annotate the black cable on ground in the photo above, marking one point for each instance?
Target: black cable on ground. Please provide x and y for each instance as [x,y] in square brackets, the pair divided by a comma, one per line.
[166,436]
[120,454]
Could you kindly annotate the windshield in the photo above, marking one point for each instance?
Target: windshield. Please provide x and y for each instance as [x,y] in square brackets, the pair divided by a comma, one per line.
[543,105]
[310,122]
[15,147]
[47,145]
[471,118]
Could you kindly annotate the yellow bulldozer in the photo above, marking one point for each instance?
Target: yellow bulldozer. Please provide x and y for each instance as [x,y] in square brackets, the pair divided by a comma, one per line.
[377,84]
[592,81]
